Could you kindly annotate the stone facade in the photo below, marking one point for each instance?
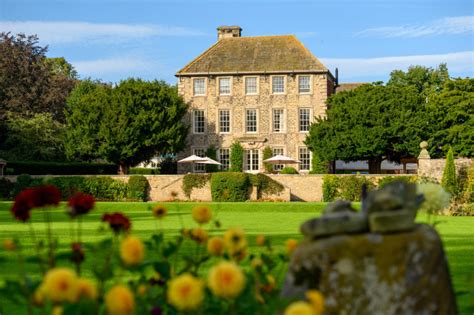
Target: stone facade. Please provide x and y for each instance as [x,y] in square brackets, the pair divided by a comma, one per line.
[287,138]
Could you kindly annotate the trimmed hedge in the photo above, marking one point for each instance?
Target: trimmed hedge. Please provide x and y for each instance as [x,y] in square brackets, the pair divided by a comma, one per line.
[143,171]
[138,188]
[344,187]
[390,179]
[59,168]
[230,186]
[289,170]
[191,181]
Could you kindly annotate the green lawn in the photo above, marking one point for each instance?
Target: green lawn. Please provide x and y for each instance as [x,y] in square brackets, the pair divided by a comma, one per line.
[279,221]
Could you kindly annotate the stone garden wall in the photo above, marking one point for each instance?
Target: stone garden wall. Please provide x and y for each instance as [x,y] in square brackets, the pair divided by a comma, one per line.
[434,167]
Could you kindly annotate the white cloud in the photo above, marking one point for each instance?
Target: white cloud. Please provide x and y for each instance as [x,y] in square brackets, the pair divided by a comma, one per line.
[444,26]
[358,67]
[70,31]
[101,67]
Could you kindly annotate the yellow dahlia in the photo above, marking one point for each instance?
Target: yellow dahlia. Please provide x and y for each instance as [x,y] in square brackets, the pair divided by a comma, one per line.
[86,289]
[299,308]
[234,240]
[291,245]
[60,284]
[201,214]
[9,244]
[119,300]
[261,240]
[215,246]
[317,301]
[39,295]
[159,211]
[132,251]
[185,292]
[199,235]
[141,290]
[57,310]
[226,280]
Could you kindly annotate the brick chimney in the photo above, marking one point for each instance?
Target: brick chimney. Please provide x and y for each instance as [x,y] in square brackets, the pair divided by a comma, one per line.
[228,32]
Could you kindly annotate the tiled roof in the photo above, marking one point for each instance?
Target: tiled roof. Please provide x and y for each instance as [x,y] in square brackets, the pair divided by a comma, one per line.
[348,86]
[255,54]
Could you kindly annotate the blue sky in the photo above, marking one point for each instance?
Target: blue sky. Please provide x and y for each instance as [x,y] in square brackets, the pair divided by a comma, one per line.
[113,40]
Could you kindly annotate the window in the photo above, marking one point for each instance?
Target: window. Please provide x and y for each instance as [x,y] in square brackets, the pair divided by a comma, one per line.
[224,86]
[251,159]
[251,120]
[199,87]
[251,85]
[278,84]
[278,120]
[304,119]
[197,166]
[224,158]
[304,84]
[198,121]
[305,159]
[277,151]
[224,121]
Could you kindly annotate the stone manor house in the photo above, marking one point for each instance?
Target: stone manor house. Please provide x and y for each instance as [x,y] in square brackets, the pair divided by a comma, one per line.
[260,91]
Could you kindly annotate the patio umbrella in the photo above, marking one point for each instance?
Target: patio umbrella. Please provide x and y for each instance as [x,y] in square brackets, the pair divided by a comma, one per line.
[192,159]
[281,159]
[208,161]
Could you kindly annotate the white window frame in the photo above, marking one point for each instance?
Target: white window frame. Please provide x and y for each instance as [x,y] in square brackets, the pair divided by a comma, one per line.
[220,121]
[284,84]
[249,155]
[205,86]
[246,121]
[219,86]
[301,160]
[193,117]
[257,83]
[278,167]
[282,122]
[197,167]
[223,166]
[310,83]
[309,119]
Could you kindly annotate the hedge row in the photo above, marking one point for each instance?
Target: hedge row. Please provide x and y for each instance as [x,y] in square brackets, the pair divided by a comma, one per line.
[103,188]
[59,168]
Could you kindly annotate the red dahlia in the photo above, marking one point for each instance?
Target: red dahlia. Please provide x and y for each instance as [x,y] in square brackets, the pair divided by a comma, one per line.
[23,204]
[80,204]
[117,221]
[35,197]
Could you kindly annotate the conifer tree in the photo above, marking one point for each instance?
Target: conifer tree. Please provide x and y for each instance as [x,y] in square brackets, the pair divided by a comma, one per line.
[448,181]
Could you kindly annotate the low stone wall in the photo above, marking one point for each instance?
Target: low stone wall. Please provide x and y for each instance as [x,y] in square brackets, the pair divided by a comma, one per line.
[434,167]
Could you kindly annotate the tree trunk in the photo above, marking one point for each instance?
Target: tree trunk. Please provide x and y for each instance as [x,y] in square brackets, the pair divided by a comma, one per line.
[123,168]
[375,166]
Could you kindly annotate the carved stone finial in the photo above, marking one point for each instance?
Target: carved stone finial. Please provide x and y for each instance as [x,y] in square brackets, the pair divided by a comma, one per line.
[424,153]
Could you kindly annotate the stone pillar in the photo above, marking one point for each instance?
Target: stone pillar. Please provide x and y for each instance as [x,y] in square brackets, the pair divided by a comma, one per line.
[424,160]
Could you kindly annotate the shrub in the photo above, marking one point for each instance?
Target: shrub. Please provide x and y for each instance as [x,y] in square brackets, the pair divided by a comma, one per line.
[390,179]
[168,165]
[104,188]
[59,168]
[143,171]
[138,188]
[318,166]
[24,181]
[449,175]
[267,153]
[330,185]
[191,181]
[236,157]
[230,186]
[211,152]
[6,188]
[68,185]
[288,170]
[265,184]
[344,187]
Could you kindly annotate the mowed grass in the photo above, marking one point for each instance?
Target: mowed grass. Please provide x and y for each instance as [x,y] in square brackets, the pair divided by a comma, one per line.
[279,221]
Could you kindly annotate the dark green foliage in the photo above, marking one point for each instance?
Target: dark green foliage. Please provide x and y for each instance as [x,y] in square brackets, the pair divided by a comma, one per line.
[264,184]
[236,157]
[191,181]
[59,168]
[211,152]
[289,170]
[345,187]
[144,171]
[449,181]
[318,166]
[267,153]
[6,188]
[138,188]
[105,188]
[230,186]
[24,181]
[67,185]
[126,124]
[426,80]
[390,179]
[169,165]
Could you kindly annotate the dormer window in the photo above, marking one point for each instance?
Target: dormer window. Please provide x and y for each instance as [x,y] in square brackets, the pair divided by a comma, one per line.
[199,86]
[224,86]
[278,84]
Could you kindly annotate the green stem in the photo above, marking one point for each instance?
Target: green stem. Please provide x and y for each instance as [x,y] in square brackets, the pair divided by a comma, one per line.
[37,247]
[23,280]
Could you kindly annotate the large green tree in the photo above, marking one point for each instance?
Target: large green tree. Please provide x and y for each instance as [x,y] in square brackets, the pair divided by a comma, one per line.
[426,80]
[126,124]
[371,123]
